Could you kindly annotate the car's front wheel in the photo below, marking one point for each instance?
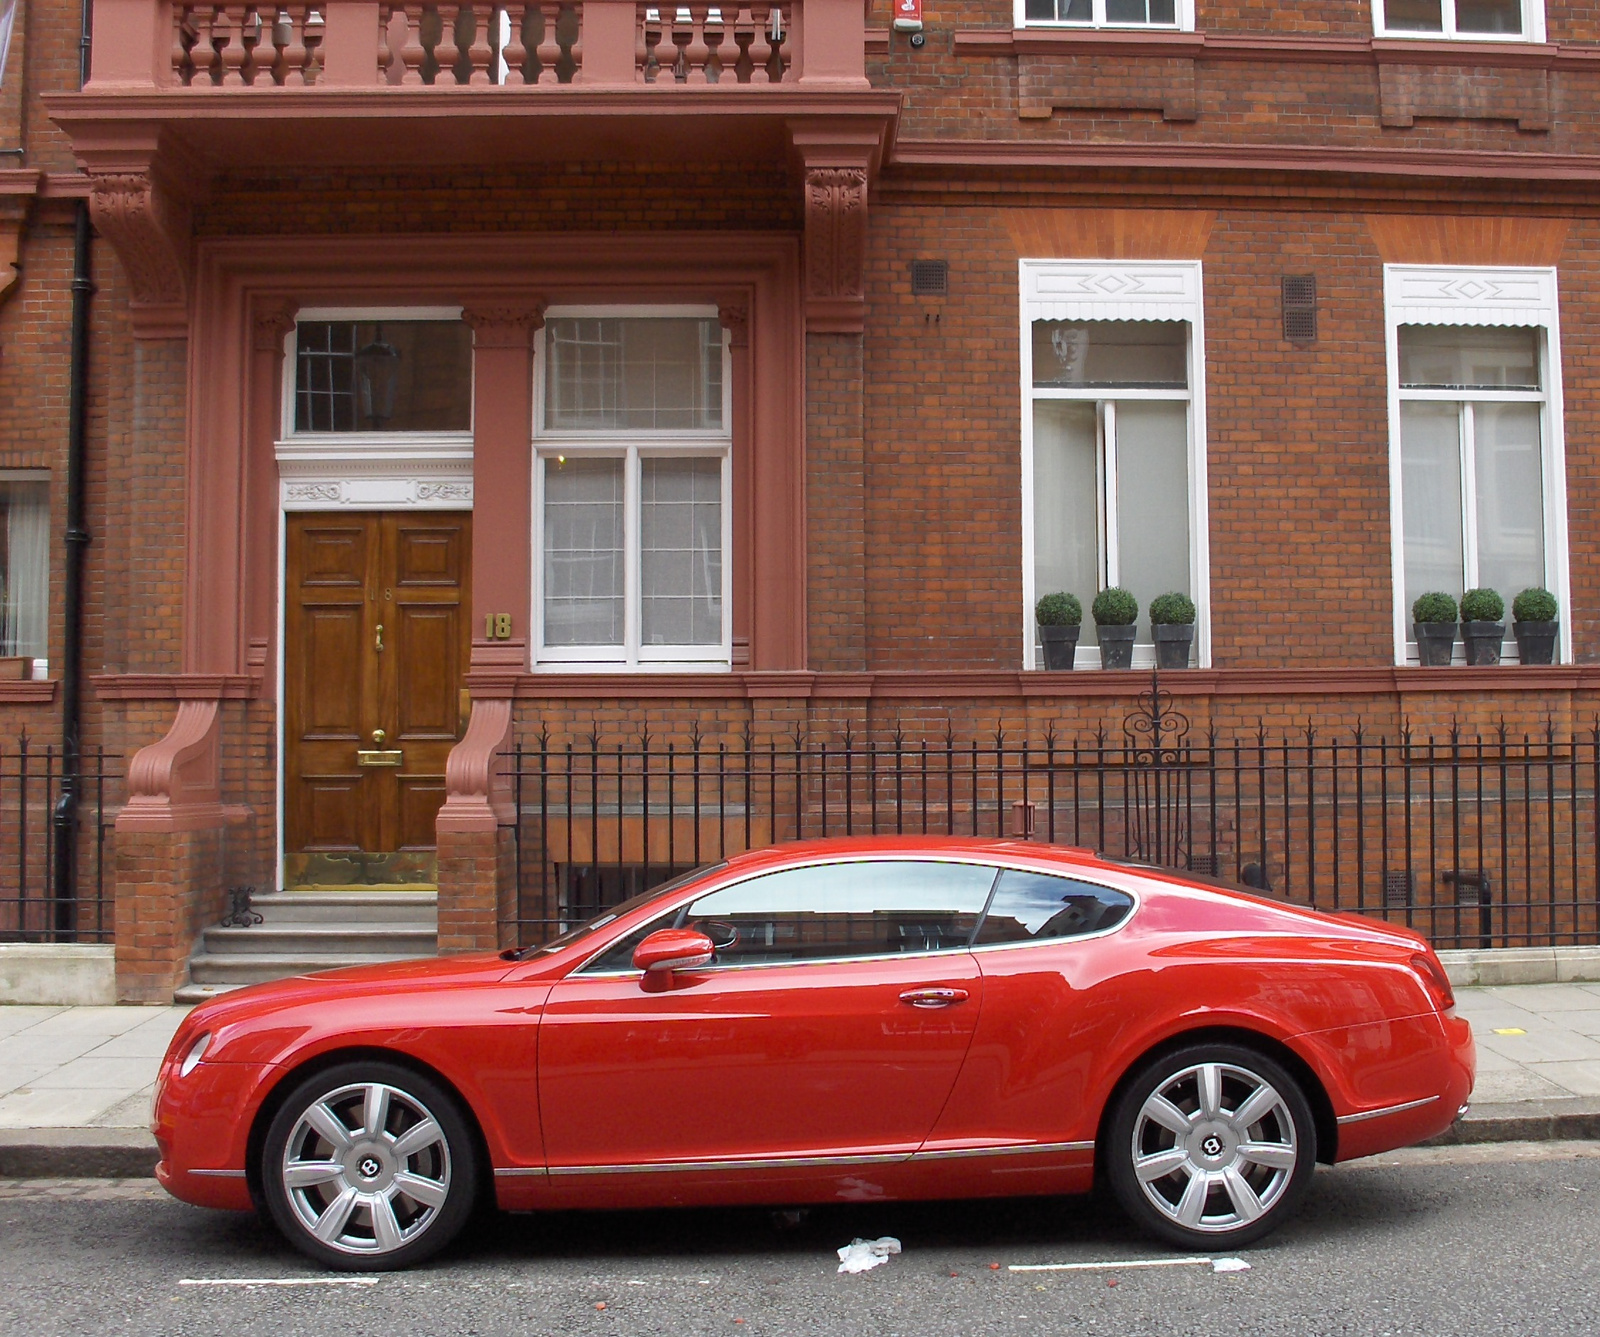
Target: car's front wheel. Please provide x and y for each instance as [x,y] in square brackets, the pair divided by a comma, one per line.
[369,1166]
[1210,1146]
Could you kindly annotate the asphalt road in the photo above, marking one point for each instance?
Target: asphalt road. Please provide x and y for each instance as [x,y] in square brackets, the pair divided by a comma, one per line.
[1455,1241]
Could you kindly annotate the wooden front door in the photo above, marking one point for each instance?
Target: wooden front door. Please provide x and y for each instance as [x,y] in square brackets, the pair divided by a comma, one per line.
[375,646]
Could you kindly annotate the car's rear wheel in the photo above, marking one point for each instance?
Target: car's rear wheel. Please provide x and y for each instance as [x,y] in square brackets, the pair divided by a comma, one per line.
[1211,1146]
[369,1166]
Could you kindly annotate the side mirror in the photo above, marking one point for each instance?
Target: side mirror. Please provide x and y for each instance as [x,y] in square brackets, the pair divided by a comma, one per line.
[670,949]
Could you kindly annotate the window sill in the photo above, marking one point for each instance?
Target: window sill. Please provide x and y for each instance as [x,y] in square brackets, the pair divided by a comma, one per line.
[27,689]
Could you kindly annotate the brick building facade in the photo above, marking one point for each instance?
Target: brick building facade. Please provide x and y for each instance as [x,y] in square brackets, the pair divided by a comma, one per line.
[715,214]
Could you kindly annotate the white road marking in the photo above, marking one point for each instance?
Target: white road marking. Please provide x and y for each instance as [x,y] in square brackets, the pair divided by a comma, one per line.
[1111,1266]
[278,1281]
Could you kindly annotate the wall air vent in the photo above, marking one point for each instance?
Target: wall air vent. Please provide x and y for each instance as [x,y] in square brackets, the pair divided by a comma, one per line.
[1300,308]
[930,278]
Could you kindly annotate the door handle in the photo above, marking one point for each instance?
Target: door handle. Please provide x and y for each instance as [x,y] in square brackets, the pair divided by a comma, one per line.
[933,997]
[377,756]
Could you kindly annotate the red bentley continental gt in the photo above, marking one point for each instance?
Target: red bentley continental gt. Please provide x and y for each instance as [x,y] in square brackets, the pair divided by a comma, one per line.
[849,1019]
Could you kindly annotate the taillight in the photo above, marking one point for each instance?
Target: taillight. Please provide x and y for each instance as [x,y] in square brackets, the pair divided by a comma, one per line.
[1433,976]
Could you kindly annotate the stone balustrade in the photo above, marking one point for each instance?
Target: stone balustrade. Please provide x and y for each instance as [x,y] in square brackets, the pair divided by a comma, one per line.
[515,43]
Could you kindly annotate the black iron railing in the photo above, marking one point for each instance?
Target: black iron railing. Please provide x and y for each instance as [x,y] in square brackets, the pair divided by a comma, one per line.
[1473,839]
[55,827]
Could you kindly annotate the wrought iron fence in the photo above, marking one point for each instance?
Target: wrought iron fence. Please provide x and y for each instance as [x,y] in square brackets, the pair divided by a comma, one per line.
[55,825]
[1473,839]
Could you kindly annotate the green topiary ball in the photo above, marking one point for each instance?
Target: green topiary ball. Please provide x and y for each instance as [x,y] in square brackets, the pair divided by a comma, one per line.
[1171,610]
[1058,610]
[1434,607]
[1482,606]
[1535,605]
[1115,607]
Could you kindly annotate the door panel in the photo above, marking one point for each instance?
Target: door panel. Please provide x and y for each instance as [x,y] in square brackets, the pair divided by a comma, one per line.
[778,1061]
[376,645]
[424,639]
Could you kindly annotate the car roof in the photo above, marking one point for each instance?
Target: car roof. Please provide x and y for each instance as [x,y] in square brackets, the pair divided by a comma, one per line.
[986,848]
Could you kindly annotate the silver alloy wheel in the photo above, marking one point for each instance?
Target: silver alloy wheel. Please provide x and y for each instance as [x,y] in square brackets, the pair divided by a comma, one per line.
[366,1168]
[1214,1147]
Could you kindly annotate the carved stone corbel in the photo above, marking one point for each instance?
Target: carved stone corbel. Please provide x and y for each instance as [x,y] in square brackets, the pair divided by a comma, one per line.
[735,318]
[836,246]
[503,324]
[272,319]
[175,784]
[150,233]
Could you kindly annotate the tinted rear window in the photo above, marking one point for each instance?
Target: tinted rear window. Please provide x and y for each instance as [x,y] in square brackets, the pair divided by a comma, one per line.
[1031,907]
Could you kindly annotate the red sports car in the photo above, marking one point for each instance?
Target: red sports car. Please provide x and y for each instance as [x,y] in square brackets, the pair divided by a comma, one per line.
[845,1020]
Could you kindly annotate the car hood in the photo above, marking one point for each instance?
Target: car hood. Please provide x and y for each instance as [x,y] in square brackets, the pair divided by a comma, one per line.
[258,1001]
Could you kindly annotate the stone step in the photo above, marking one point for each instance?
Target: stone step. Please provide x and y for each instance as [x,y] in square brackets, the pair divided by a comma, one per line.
[347,907]
[317,939]
[236,968]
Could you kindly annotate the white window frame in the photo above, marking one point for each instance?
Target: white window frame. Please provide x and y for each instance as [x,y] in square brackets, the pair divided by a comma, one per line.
[1479,296]
[1184,11]
[1118,290]
[39,669]
[1532,26]
[632,446]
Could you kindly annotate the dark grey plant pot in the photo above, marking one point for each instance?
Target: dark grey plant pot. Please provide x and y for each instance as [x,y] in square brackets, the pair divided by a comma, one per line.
[1116,646]
[1536,641]
[1173,640]
[1483,641]
[1060,646]
[1436,641]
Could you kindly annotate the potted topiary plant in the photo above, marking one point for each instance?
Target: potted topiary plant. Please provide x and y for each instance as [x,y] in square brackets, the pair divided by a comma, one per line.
[1434,622]
[1060,618]
[1115,613]
[1172,627]
[1533,623]
[1483,625]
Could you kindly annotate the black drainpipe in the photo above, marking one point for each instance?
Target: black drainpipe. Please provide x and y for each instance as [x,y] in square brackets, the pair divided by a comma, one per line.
[77,539]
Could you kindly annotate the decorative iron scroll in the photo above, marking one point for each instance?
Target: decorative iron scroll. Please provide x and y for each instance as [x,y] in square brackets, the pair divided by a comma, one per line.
[1157,720]
[240,915]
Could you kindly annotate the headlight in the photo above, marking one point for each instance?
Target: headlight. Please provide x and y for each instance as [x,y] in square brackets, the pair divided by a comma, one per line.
[197,1051]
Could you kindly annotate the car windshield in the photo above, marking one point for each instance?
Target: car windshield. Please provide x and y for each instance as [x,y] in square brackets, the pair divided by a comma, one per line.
[615,912]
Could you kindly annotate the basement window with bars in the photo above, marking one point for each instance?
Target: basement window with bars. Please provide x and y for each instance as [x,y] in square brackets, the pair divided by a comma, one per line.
[633,480]
[1476,448]
[1175,14]
[1461,20]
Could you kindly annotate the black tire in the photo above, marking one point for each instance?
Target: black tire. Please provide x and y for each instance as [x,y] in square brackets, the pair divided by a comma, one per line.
[397,1195]
[1235,1173]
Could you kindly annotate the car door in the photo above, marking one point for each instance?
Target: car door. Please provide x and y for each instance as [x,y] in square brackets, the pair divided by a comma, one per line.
[831,1024]
[1053,1002]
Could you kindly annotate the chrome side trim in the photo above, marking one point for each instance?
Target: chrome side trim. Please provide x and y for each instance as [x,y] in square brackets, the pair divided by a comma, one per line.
[803,1162]
[219,1174]
[1388,1109]
[765,1163]
[512,1171]
[1026,1149]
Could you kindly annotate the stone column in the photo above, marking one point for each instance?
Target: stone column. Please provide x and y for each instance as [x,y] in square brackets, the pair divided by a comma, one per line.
[477,854]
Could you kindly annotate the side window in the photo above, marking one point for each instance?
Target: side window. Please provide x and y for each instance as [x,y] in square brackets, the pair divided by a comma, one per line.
[871,908]
[1030,907]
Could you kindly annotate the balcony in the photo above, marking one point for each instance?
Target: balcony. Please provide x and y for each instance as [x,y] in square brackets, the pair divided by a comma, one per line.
[330,84]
